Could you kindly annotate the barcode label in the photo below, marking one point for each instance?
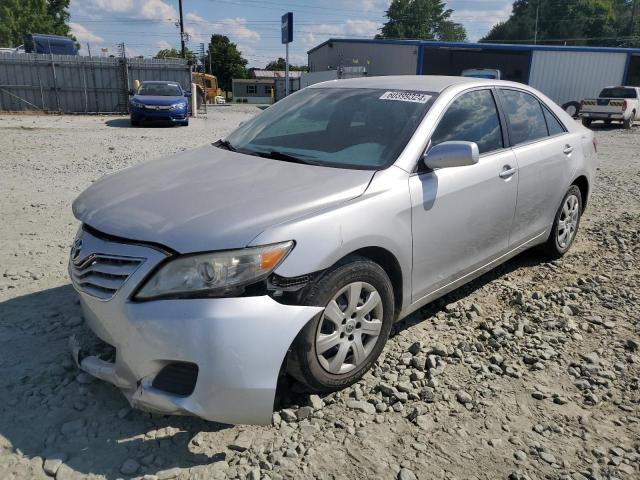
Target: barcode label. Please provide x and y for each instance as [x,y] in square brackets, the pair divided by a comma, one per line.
[406,97]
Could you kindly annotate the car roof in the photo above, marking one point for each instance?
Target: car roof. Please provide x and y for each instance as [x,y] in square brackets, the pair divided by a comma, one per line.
[162,82]
[420,83]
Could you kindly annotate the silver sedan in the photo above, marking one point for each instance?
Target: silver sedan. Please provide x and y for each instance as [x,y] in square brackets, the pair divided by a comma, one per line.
[293,245]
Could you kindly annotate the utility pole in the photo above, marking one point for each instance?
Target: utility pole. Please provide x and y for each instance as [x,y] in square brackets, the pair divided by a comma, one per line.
[181,30]
[634,12]
[535,40]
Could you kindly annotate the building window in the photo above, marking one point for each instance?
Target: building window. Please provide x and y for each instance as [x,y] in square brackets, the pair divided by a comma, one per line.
[267,90]
[251,89]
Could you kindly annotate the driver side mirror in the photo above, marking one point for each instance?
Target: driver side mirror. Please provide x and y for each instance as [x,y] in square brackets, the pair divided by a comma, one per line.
[451,154]
[131,92]
[187,94]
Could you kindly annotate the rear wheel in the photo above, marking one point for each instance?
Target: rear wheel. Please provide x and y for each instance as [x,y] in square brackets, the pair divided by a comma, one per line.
[135,123]
[337,347]
[628,123]
[572,108]
[565,224]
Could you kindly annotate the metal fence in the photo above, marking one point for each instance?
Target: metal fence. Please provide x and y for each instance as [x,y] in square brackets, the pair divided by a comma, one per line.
[75,84]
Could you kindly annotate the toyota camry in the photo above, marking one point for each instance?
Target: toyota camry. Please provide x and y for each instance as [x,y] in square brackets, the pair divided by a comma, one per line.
[291,246]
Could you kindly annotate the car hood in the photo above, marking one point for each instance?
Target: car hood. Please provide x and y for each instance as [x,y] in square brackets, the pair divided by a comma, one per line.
[211,199]
[158,100]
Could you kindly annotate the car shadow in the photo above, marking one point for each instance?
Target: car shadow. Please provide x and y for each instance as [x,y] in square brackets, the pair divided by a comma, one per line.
[602,126]
[291,394]
[528,258]
[91,423]
[126,123]
[46,407]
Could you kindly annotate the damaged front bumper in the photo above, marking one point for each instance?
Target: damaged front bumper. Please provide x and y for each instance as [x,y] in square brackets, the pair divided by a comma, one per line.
[218,359]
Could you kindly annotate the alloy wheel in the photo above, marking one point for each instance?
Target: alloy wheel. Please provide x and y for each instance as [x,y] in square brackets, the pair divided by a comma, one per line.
[349,328]
[568,221]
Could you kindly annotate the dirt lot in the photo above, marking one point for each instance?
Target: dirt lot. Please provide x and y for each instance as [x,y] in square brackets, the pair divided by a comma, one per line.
[531,372]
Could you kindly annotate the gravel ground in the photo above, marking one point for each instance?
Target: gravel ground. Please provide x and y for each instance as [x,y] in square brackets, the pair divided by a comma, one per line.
[531,371]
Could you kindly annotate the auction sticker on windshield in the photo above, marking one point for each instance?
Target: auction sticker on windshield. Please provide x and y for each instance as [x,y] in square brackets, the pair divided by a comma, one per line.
[406,97]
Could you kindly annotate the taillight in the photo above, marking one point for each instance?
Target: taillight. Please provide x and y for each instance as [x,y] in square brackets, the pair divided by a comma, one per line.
[624,105]
[595,144]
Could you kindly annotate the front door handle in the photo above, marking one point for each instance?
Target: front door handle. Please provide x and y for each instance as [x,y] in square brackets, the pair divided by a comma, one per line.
[568,149]
[507,172]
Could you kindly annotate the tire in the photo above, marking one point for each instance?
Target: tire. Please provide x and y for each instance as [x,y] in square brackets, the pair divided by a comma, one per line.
[586,122]
[338,367]
[135,123]
[572,108]
[628,123]
[556,247]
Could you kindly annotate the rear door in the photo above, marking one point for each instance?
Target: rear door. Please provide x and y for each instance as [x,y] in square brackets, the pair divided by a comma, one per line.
[543,150]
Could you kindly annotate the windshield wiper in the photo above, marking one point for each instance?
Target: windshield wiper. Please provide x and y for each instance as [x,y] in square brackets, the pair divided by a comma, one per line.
[225,144]
[277,155]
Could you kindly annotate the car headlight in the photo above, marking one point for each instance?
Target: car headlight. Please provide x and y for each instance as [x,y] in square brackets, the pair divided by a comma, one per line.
[176,106]
[137,104]
[215,273]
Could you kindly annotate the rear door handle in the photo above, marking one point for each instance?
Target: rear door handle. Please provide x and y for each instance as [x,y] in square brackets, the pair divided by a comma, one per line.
[568,149]
[507,172]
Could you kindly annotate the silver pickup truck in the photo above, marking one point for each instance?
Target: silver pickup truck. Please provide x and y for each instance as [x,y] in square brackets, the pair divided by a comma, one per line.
[614,104]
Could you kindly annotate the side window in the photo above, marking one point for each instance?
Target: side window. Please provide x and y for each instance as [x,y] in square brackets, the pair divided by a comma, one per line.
[472,117]
[524,113]
[554,126]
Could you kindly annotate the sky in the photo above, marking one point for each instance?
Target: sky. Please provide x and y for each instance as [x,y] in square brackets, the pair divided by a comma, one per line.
[146,26]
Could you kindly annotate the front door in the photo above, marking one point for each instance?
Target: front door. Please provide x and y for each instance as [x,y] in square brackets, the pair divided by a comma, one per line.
[462,216]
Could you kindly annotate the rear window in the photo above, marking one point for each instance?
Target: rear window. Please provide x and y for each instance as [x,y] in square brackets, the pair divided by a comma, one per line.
[619,93]
[553,124]
[526,119]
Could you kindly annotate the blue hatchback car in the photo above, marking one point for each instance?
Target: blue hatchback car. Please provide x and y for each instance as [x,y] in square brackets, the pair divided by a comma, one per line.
[159,101]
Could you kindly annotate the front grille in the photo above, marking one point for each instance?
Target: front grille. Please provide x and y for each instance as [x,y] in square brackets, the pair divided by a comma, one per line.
[158,107]
[178,378]
[101,275]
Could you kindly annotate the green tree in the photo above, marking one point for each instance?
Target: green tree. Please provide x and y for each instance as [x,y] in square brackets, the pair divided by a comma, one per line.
[421,19]
[173,53]
[281,63]
[573,22]
[20,17]
[226,61]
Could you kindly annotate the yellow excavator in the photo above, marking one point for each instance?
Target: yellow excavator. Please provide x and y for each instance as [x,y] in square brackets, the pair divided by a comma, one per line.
[208,89]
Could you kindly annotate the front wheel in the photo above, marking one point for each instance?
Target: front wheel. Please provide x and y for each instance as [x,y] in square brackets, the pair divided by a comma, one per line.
[565,224]
[337,347]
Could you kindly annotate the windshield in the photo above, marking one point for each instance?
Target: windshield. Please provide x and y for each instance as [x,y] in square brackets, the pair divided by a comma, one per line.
[160,89]
[618,93]
[339,127]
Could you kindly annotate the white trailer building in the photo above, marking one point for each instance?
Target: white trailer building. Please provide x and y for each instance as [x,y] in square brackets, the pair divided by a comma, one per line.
[565,74]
